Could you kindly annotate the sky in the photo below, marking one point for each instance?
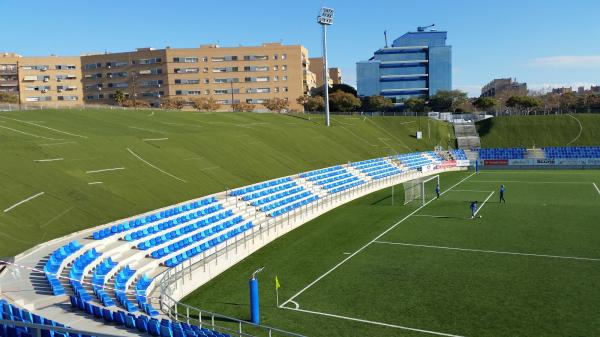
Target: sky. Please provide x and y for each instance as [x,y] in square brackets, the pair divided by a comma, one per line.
[546,43]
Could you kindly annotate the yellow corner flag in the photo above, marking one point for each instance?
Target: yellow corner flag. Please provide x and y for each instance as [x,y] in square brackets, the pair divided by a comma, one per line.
[277,285]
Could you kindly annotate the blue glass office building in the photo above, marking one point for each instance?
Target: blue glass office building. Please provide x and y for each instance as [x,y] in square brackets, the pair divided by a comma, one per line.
[417,64]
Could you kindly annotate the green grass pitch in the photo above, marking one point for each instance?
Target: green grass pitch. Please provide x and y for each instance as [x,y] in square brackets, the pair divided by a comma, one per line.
[529,267]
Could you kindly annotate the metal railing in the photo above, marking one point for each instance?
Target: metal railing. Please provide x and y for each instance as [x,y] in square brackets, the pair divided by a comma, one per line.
[173,277]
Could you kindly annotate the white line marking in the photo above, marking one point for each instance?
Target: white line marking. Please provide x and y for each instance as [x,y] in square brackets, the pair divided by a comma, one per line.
[95,183]
[528,182]
[106,170]
[471,191]
[156,168]
[154,139]
[372,322]
[486,199]
[489,251]
[151,114]
[27,133]
[596,186]
[346,253]
[209,168]
[45,127]
[149,130]
[370,242]
[52,144]
[432,216]
[23,201]
[580,129]
[57,216]
[295,304]
[408,122]
[46,160]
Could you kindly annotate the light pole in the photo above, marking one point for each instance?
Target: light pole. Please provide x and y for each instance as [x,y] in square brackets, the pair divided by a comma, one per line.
[325,19]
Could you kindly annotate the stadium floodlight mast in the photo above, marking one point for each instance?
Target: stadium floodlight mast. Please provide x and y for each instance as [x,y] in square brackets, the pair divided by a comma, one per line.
[325,19]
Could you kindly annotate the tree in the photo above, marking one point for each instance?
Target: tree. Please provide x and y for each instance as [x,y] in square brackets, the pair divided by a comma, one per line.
[8,98]
[485,103]
[174,103]
[344,102]
[336,87]
[128,103]
[415,104]
[377,103]
[244,107]
[119,97]
[523,104]
[276,104]
[447,100]
[206,104]
[315,103]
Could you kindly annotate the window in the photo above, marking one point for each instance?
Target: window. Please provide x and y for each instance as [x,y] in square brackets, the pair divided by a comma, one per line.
[283,56]
[284,67]
[90,66]
[275,78]
[118,85]
[185,59]
[65,67]
[221,91]
[205,58]
[155,71]
[224,58]
[285,89]
[37,67]
[187,92]
[227,80]
[151,83]
[276,89]
[186,81]
[149,61]
[67,98]
[116,64]
[275,57]
[258,90]
[275,68]
[256,57]
[207,92]
[186,70]
[284,78]
[206,81]
[256,101]
[205,70]
[38,99]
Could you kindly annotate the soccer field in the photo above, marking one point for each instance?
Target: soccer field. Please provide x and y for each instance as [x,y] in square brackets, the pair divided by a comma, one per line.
[529,267]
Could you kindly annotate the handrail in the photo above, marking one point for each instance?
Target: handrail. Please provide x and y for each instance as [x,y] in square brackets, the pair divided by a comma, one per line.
[39,327]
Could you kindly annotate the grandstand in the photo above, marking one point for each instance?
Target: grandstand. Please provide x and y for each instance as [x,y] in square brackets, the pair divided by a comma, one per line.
[112,272]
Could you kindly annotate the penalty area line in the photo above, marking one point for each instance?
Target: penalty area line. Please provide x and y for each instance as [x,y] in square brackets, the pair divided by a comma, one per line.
[486,199]
[489,251]
[372,322]
[369,243]
[105,170]
[596,186]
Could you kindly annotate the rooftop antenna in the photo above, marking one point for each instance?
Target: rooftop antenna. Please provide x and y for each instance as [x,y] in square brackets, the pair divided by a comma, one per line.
[385,37]
[422,28]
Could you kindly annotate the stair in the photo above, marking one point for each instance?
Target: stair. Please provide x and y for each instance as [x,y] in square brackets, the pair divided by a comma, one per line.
[535,154]
[466,136]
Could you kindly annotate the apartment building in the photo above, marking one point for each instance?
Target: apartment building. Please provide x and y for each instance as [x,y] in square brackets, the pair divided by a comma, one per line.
[42,81]
[316,66]
[9,82]
[229,74]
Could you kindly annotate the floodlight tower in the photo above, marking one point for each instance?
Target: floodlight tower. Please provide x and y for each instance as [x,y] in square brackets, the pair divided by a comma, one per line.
[325,19]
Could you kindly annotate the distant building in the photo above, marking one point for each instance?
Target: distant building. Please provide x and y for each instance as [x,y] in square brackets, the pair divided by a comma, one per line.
[562,90]
[45,80]
[501,86]
[595,89]
[316,67]
[581,90]
[417,64]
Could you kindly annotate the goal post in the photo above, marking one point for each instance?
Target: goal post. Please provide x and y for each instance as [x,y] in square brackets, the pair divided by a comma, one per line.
[422,189]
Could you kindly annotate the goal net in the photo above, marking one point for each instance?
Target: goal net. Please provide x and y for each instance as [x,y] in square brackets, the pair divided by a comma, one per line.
[421,189]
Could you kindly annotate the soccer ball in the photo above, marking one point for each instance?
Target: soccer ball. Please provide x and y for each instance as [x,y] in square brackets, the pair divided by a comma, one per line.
[481,216]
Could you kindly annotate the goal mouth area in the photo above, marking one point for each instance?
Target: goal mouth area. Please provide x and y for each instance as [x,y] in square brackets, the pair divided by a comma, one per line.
[422,189]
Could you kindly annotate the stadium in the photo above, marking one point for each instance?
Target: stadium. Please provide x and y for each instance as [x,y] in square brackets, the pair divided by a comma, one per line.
[138,222]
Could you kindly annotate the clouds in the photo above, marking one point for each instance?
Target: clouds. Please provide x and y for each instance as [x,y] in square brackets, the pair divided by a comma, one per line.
[566,61]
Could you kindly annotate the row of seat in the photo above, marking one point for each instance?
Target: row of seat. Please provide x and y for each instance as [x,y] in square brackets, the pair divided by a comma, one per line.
[142,323]
[459,154]
[52,266]
[171,223]
[340,183]
[386,172]
[502,153]
[260,186]
[368,165]
[262,193]
[13,313]
[332,179]
[572,152]
[276,196]
[148,219]
[364,162]
[174,247]
[293,206]
[345,187]
[338,171]
[317,172]
[81,262]
[184,230]
[284,201]
[188,254]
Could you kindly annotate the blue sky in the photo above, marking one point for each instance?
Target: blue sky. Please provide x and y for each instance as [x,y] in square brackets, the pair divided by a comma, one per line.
[542,42]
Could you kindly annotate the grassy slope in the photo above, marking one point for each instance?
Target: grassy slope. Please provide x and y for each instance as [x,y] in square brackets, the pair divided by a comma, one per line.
[210,151]
[457,292]
[539,131]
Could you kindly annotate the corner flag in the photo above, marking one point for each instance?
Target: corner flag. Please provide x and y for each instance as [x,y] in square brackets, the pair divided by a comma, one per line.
[277,286]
